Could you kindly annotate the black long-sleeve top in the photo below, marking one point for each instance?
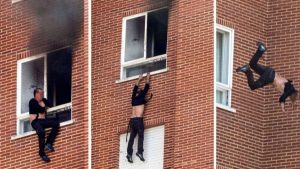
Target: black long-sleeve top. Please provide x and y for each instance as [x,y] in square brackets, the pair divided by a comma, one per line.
[139,99]
[288,90]
[35,108]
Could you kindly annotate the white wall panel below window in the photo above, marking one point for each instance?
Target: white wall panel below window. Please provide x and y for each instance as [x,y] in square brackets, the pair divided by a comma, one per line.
[153,150]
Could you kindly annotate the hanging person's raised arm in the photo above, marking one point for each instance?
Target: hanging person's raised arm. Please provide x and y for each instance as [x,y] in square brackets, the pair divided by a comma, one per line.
[147,85]
[136,86]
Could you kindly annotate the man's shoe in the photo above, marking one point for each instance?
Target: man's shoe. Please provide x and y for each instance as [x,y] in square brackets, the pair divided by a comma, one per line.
[140,155]
[49,147]
[129,158]
[45,158]
[244,69]
[261,46]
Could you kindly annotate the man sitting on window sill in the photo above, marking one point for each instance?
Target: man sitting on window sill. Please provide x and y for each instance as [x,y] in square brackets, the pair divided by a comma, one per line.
[136,123]
[39,122]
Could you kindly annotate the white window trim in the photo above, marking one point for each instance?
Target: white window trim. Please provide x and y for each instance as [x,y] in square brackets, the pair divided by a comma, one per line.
[140,61]
[25,116]
[67,106]
[22,116]
[220,86]
[144,75]
[16,1]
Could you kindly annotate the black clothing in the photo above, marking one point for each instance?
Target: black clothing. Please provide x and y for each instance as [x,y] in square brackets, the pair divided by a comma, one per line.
[288,90]
[137,127]
[138,98]
[267,74]
[39,125]
[35,108]
[129,158]
[45,158]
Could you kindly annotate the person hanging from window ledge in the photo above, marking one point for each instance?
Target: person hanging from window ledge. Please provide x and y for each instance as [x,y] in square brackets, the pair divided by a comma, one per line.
[269,76]
[136,122]
[39,121]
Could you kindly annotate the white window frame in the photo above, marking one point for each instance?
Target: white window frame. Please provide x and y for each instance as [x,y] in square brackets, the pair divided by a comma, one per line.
[15,1]
[140,61]
[221,86]
[25,116]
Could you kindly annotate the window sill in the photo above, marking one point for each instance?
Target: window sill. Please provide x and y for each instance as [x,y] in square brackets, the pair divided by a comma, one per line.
[143,61]
[15,137]
[16,1]
[227,108]
[137,76]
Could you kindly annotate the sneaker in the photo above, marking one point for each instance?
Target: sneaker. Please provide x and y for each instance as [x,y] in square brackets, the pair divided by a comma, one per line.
[140,155]
[129,158]
[243,69]
[49,147]
[261,46]
[45,158]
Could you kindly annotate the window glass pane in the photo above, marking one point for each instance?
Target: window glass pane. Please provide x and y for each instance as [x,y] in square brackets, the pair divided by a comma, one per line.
[134,38]
[26,126]
[63,115]
[218,54]
[32,76]
[157,33]
[59,77]
[222,97]
[150,67]
[222,57]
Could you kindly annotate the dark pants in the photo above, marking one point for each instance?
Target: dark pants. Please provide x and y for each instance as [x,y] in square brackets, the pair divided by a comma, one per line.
[267,74]
[136,127]
[39,125]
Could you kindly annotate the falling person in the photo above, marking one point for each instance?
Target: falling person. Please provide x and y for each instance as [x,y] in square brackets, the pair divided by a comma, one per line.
[268,76]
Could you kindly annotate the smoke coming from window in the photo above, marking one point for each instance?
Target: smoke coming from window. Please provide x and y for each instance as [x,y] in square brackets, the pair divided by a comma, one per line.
[56,22]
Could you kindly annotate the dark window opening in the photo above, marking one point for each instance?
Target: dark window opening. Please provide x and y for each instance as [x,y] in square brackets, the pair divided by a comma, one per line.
[157,33]
[59,77]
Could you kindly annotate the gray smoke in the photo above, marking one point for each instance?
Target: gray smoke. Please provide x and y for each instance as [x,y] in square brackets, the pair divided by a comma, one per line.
[55,22]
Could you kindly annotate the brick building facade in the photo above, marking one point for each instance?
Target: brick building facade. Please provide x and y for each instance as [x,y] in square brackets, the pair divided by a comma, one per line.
[252,132]
[29,47]
[181,102]
[257,134]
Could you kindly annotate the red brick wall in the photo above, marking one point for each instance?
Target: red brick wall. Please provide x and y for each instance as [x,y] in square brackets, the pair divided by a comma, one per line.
[240,134]
[281,147]
[71,144]
[177,100]
[193,146]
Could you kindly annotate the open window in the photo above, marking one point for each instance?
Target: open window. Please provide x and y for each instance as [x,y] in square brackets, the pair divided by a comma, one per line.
[224,61]
[153,150]
[144,43]
[51,72]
